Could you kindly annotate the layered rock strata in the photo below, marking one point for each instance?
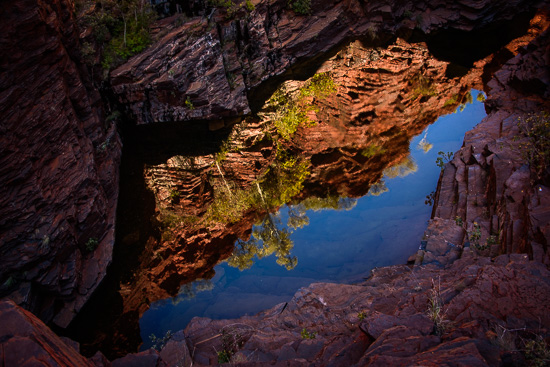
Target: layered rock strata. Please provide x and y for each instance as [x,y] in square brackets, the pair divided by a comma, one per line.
[385,321]
[488,197]
[59,165]
[208,67]
[27,341]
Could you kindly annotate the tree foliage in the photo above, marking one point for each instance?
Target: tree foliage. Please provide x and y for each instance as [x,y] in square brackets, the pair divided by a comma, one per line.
[120,29]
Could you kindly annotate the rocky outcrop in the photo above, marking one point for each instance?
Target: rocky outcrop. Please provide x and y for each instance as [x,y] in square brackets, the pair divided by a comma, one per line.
[27,341]
[482,305]
[219,65]
[59,165]
[488,197]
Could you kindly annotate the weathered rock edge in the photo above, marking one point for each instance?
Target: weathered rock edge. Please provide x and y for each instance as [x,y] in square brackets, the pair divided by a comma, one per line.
[59,161]
[214,67]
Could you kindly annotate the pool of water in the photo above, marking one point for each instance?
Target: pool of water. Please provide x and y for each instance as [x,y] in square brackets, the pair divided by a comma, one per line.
[382,228]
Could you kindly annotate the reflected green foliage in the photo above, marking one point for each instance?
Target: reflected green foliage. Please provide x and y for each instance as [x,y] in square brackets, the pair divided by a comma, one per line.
[283,180]
[378,188]
[330,202]
[372,150]
[405,168]
[297,217]
[230,203]
[190,290]
[267,238]
[422,87]
[467,99]
[270,237]
[279,184]
[424,144]
[243,255]
[481,97]
[319,86]
[292,111]
[451,101]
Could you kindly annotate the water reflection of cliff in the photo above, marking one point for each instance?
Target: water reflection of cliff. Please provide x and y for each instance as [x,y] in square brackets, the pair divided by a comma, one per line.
[320,142]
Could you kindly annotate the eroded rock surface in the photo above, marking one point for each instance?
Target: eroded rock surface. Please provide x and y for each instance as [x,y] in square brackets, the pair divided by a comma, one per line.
[59,165]
[385,321]
[206,67]
[488,197]
[27,341]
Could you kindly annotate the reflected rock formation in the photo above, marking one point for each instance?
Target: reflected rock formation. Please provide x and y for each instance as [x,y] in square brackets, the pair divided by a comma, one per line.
[330,138]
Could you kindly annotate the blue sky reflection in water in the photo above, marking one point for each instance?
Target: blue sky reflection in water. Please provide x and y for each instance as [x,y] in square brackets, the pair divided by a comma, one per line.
[336,245]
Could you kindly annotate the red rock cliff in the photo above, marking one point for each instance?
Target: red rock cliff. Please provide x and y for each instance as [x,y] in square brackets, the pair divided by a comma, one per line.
[217,65]
[58,164]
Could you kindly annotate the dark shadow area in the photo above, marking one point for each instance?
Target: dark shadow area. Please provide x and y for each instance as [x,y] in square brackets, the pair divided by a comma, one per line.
[464,48]
[136,225]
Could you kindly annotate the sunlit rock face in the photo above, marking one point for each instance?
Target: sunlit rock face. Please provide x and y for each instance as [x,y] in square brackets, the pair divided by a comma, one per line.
[357,116]
[59,159]
[219,65]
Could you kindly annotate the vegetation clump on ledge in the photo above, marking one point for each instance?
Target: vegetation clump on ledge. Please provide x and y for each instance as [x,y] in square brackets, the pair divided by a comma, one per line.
[119,30]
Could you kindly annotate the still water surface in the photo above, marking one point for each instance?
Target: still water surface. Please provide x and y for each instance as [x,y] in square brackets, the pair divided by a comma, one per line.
[336,246]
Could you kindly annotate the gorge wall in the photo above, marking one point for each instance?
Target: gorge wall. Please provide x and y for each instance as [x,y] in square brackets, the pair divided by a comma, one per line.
[59,161]
[228,61]
[59,185]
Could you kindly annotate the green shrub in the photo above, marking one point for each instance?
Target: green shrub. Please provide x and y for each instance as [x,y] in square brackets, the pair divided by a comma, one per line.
[435,309]
[308,335]
[536,127]
[224,357]
[372,151]
[159,343]
[459,221]
[120,30]
[91,244]
[189,104]
[302,7]
[475,234]
[249,6]
[537,352]
[443,158]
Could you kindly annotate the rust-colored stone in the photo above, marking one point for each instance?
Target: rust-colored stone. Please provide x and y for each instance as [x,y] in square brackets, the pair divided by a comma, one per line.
[59,165]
